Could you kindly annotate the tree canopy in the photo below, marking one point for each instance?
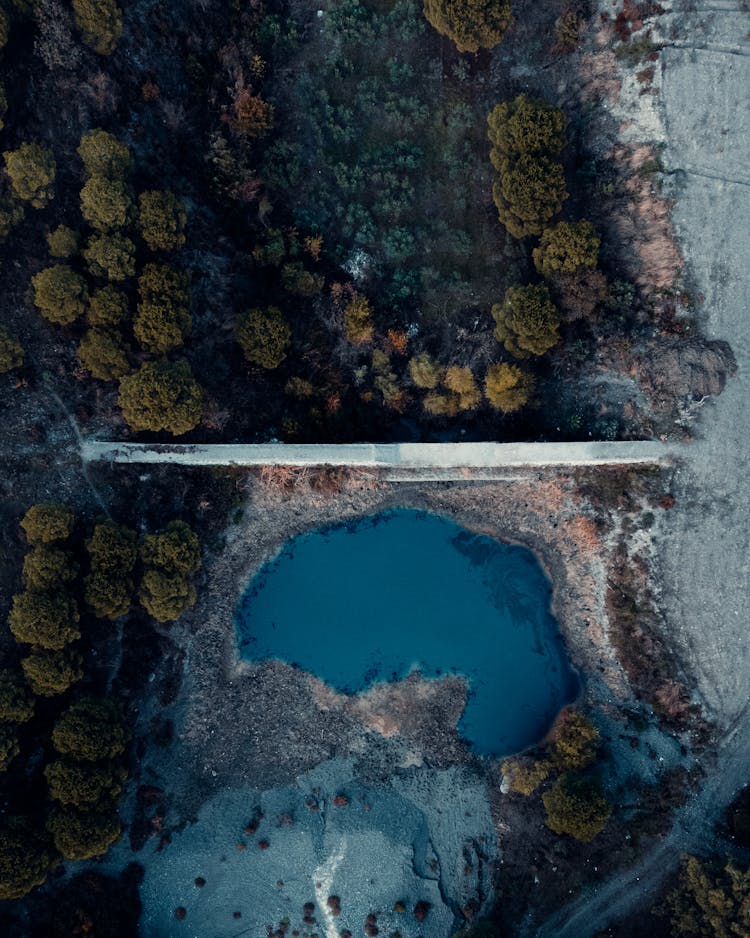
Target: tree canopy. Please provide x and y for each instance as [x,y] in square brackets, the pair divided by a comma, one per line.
[525,126]
[162,218]
[104,354]
[60,294]
[32,171]
[109,586]
[576,807]
[62,242]
[528,193]
[51,673]
[163,319]
[175,550]
[81,835]
[508,387]
[471,24]
[11,352]
[264,336]
[527,322]
[25,858]
[49,620]
[710,901]
[108,307]
[567,248]
[161,395]
[81,785]
[47,522]
[90,730]
[111,256]
[106,203]
[16,700]
[103,154]
[100,22]
[45,568]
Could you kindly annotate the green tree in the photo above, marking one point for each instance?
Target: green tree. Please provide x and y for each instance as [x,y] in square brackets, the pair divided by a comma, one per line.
[528,193]
[111,256]
[104,354]
[710,902]
[442,405]
[471,24]
[296,279]
[81,835]
[11,352]
[48,522]
[31,169]
[103,154]
[11,214]
[161,395]
[527,321]
[106,203]
[60,294]
[508,387]
[62,242]
[108,308]
[165,596]
[80,785]
[90,730]
[25,858]
[577,807]
[46,568]
[525,127]
[9,747]
[162,220]
[16,700]
[567,248]
[163,318]
[461,382]
[358,320]
[100,22]
[113,551]
[576,742]
[525,775]
[264,336]
[51,673]
[49,620]
[175,550]
[425,372]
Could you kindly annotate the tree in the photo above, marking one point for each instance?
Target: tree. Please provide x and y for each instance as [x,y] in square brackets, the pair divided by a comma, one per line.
[62,242]
[11,352]
[45,568]
[81,835]
[528,193]
[161,395]
[461,382]
[162,220]
[16,700]
[425,372]
[296,279]
[49,620]
[106,203]
[253,117]
[442,405]
[576,741]
[710,902]
[80,785]
[525,127]
[11,214]
[90,730]
[111,256]
[109,587]
[525,775]
[264,336]
[31,169]
[108,308]
[105,155]
[527,321]
[576,806]
[104,354]
[163,318]
[51,673]
[47,522]
[9,747]
[567,248]
[60,294]
[24,858]
[358,320]
[471,24]
[508,387]
[165,596]
[175,550]
[100,22]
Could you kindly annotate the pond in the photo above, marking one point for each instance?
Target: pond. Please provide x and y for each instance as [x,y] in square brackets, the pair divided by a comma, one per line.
[373,599]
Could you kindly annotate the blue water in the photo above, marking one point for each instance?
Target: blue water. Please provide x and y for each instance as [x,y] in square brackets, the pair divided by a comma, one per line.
[370,600]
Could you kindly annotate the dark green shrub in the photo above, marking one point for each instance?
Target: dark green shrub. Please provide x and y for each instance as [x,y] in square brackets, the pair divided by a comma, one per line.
[471,24]
[60,294]
[9,747]
[108,308]
[104,354]
[45,568]
[11,214]
[358,320]
[31,170]
[175,550]
[100,22]
[296,279]
[49,620]
[109,587]
[62,242]
[508,387]
[264,336]
[24,858]
[528,193]
[51,673]
[104,154]
[567,248]
[4,28]
[576,807]
[16,700]
[163,318]
[79,784]
[165,596]
[90,730]
[11,352]
[106,203]
[425,372]
[81,835]
[525,127]
[161,396]
[47,522]
[111,256]
[162,220]
[576,741]
[527,321]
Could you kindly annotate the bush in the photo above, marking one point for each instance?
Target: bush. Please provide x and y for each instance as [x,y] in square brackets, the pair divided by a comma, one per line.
[31,169]
[576,741]
[104,155]
[708,900]
[51,673]
[528,193]
[165,596]
[301,282]
[508,387]
[461,382]
[162,220]
[45,568]
[106,203]
[80,785]
[90,730]
[49,620]
[525,127]
[175,551]
[358,320]
[9,747]
[525,775]
[11,352]
[264,337]
[567,248]
[425,372]
[471,24]
[60,294]
[113,552]
[24,859]
[100,22]
[16,700]
[104,354]
[62,242]
[111,256]
[527,321]
[108,307]
[161,396]
[576,807]
[163,318]
[47,522]
[81,835]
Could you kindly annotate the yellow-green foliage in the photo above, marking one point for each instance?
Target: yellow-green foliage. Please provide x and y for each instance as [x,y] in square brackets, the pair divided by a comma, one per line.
[81,835]
[90,730]
[51,673]
[709,901]
[16,700]
[45,568]
[60,294]
[105,155]
[62,242]
[425,372]
[358,320]
[111,256]
[106,203]
[24,858]
[170,558]
[9,747]
[567,248]
[525,126]
[161,395]
[461,382]
[576,807]
[471,24]
[299,387]
[31,169]
[385,379]
[264,336]
[109,587]
[508,387]
[576,741]
[49,620]
[108,308]
[528,193]
[528,321]
[47,522]
[525,775]
[165,597]
[296,279]
[4,28]
[104,354]
[81,785]
[439,404]
[163,319]
[11,352]
[11,213]
[100,22]
[162,218]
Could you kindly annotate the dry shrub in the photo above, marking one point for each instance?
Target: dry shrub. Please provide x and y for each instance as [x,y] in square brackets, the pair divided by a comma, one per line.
[585,533]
